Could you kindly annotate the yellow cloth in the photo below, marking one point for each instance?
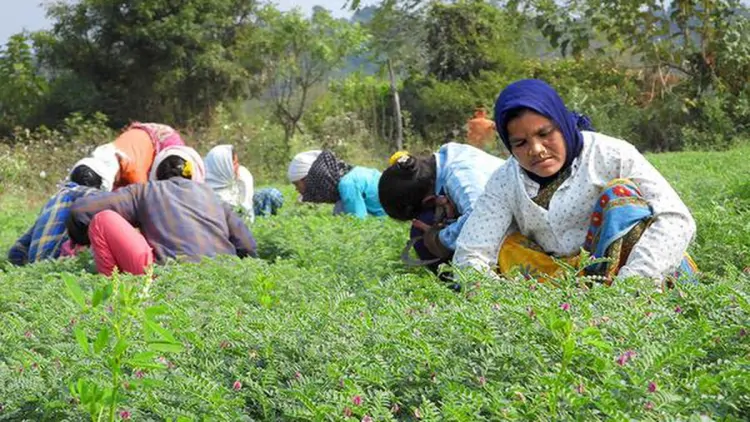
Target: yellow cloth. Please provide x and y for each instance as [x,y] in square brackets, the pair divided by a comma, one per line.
[396,156]
[518,251]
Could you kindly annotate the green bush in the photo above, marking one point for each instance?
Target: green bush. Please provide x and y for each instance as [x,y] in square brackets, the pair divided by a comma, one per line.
[329,325]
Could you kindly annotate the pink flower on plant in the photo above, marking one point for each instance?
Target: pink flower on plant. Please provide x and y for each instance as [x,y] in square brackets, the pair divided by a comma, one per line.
[743,332]
[357,400]
[347,412]
[565,306]
[625,357]
[138,374]
[367,418]
[28,334]
[649,314]
[677,309]
[651,387]
[237,386]
[649,406]
[125,415]
[298,375]
[482,381]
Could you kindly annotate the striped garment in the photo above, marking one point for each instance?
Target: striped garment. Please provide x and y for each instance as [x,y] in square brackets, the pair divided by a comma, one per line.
[45,238]
[178,217]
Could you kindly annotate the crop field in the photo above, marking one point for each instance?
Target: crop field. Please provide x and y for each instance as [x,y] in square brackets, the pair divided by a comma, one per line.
[329,325]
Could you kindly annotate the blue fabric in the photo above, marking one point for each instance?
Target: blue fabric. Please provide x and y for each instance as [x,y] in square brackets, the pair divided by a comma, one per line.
[45,238]
[620,208]
[267,201]
[358,190]
[462,173]
[536,95]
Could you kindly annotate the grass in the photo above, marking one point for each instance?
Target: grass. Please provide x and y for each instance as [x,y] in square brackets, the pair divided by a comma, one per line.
[330,326]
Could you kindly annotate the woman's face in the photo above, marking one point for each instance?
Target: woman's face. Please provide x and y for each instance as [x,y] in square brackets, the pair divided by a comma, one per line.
[537,144]
[236,163]
[300,186]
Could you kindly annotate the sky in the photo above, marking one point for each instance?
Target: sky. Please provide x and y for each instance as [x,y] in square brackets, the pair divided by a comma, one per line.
[19,15]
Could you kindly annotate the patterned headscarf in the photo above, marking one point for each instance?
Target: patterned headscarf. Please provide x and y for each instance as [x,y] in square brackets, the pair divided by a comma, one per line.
[322,181]
[538,96]
[162,136]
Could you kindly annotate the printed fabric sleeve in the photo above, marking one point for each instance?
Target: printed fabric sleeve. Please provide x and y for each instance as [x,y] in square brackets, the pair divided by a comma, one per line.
[352,200]
[662,246]
[485,228]
[464,193]
[123,201]
[19,253]
[247,190]
[239,234]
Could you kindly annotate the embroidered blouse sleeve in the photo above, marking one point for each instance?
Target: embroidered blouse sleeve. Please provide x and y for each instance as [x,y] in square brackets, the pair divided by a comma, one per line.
[485,229]
[662,245]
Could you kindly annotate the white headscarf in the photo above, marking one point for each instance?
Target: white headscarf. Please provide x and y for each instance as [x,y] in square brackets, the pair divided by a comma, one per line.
[233,188]
[103,161]
[300,165]
[187,154]
[220,167]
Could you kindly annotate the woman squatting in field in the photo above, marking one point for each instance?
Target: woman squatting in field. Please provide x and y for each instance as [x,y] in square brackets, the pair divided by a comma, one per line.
[177,214]
[564,190]
[136,148]
[320,177]
[437,193]
[47,238]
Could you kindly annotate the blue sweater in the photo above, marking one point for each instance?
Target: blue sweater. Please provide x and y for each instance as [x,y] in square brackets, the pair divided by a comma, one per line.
[358,190]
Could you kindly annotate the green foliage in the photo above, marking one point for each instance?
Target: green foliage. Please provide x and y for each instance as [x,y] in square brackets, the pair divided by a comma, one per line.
[300,54]
[129,323]
[22,87]
[468,37]
[38,159]
[150,58]
[329,325]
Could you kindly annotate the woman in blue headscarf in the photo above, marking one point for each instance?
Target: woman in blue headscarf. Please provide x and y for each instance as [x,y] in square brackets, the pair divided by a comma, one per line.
[565,189]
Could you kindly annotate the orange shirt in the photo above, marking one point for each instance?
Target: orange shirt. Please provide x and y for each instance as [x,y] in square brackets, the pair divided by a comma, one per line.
[139,152]
[480,131]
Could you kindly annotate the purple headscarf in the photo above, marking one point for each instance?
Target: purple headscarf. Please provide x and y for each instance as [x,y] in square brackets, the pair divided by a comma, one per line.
[538,96]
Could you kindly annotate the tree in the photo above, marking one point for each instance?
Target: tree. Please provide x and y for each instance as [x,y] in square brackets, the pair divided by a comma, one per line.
[150,59]
[684,37]
[466,38]
[299,54]
[22,87]
[397,36]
